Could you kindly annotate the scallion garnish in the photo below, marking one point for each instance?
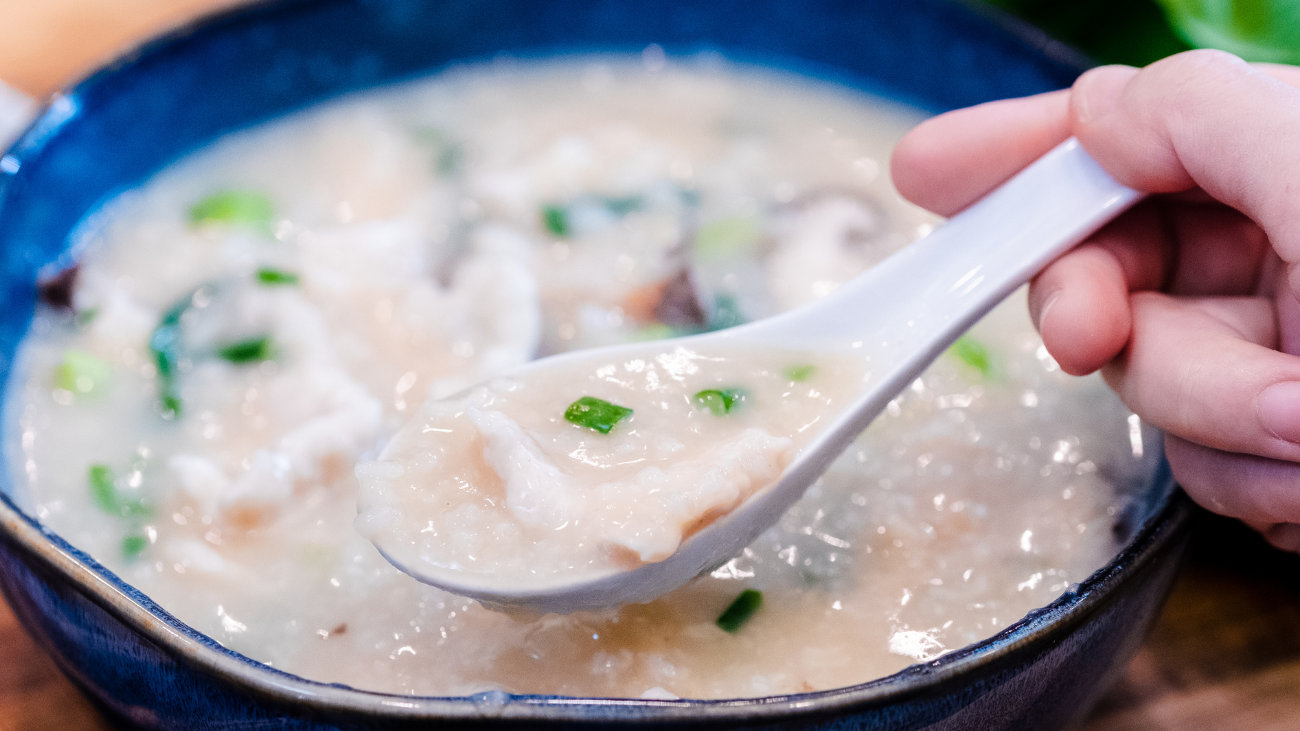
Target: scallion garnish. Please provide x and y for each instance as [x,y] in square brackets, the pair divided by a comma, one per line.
[134,545]
[800,373]
[102,487]
[726,313]
[275,277]
[447,153]
[556,220]
[165,345]
[248,351]
[733,236]
[81,373]
[247,208]
[741,610]
[83,318]
[973,353]
[622,206]
[595,413]
[720,400]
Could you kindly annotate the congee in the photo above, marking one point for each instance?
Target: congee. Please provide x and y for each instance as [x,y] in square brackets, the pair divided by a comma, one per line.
[245,328]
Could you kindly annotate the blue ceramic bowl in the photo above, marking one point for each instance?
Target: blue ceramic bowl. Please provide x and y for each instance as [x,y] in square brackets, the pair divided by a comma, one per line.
[145,668]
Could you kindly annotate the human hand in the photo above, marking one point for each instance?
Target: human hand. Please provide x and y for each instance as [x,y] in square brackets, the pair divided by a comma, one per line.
[1187,303]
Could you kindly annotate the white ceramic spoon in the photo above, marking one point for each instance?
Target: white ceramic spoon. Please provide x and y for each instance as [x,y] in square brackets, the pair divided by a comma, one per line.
[901,314]
[16,112]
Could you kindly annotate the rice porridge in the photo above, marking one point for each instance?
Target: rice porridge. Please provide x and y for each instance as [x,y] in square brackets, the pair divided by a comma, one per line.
[258,319]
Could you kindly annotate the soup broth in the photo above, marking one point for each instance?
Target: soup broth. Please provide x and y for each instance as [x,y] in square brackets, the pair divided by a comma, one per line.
[255,320]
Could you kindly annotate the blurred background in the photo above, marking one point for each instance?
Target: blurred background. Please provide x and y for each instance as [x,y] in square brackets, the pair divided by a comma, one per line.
[47,43]
[1137,32]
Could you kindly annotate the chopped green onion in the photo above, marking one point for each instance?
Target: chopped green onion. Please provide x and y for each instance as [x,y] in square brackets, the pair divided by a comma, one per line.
[657,331]
[556,220]
[165,345]
[730,236]
[720,401]
[447,153]
[973,353]
[102,488]
[595,413]
[726,313]
[237,208]
[275,277]
[740,610]
[622,206]
[134,545]
[81,373]
[800,373]
[248,351]
[449,157]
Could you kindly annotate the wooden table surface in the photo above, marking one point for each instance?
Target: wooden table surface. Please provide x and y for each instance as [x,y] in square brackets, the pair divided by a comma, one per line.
[1224,656]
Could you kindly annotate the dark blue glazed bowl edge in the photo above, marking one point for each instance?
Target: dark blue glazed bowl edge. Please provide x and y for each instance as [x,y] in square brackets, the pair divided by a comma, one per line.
[1164,533]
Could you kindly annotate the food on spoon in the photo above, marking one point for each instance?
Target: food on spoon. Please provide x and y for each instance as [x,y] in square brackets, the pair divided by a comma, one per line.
[506,487]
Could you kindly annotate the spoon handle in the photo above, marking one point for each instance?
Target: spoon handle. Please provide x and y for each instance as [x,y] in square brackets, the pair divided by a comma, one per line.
[914,304]
[904,312]
[16,112]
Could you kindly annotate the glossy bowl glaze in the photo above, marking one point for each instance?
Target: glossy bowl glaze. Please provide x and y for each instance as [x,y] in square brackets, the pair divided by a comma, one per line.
[145,668]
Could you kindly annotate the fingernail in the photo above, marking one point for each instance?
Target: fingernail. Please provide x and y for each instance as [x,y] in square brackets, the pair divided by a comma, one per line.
[1096,91]
[1040,316]
[1079,96]
[1279,410]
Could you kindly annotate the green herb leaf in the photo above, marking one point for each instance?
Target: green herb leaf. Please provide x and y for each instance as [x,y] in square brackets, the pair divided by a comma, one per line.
[165,345]
[974,354]
[732,236]
[447,153]
[83,318]
[248,351]
[726,313]
[740,610]
[656,331]
[623,205]
[275,277]
[133,545]
[102,487]
[720,401]
[595,413]
[800,373]
[246,208]
[81,373]
[556,220]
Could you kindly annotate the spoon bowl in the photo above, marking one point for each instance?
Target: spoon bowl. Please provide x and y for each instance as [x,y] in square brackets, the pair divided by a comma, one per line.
[897,318]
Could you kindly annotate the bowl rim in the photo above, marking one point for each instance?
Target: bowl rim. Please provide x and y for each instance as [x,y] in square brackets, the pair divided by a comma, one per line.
[1169,520]
[1045,626]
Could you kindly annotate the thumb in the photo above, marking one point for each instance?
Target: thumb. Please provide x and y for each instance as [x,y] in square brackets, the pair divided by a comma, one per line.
[1202,119]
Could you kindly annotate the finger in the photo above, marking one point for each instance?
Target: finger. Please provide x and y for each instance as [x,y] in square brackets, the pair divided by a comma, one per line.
[1080,302]
[950,161]
[1205,370]
[1199,119]
[1219,251]
[1289,75]
[1285,536]
[1260,491]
